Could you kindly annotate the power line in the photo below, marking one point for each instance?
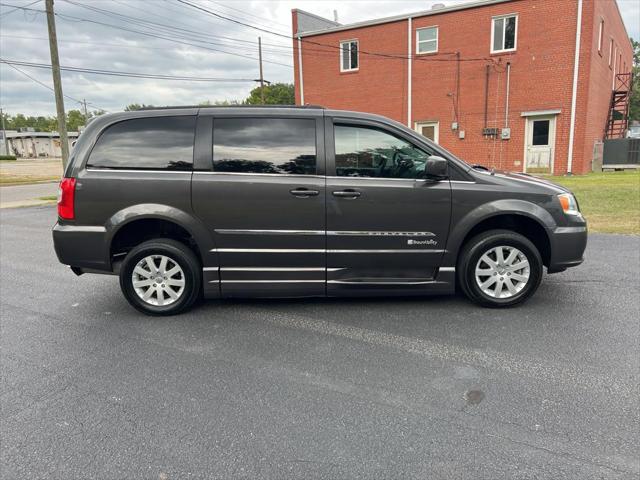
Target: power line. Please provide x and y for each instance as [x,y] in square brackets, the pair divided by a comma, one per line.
[115,73]
[79,42]
[148,34]
[119,45]
[47,86]
[189,34]
[153,27]
[17,8]
[378,54]
[207,34]
[325,48]
[246,14]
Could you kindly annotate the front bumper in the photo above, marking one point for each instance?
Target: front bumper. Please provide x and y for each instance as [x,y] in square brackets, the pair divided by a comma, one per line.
[82,247]
[567,247]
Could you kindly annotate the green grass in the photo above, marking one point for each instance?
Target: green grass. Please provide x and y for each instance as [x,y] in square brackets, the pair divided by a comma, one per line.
[610,201]
[11,180]
[49,198]
[7,158]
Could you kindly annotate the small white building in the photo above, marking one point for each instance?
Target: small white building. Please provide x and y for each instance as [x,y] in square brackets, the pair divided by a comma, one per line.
[35,144]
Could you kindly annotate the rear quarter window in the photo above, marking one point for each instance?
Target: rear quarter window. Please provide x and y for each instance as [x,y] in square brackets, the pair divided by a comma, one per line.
[158,143]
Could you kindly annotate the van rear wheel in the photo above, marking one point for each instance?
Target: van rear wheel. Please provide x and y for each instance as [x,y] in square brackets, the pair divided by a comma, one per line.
[161,277]
[499,268]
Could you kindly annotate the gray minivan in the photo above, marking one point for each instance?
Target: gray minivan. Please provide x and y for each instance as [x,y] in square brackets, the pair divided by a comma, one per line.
[300,202]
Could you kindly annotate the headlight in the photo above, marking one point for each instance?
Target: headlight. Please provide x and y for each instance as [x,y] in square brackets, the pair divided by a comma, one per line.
[569,204]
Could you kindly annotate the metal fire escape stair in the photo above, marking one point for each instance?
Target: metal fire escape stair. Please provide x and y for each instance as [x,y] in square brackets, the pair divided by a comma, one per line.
[618,119]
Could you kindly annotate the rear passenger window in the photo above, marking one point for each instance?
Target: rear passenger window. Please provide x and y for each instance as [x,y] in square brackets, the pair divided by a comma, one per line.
[264,145]
[370,152]
[159,143]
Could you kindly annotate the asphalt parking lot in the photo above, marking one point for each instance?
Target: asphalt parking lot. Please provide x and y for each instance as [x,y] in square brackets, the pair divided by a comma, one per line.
[375,388]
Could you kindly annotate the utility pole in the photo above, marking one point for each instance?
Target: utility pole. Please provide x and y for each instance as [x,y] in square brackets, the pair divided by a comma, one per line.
[4,135]
[86,115]
[57,82]
[261,77]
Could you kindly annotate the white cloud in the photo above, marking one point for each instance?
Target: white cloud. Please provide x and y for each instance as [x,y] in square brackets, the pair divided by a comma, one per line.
[89,45]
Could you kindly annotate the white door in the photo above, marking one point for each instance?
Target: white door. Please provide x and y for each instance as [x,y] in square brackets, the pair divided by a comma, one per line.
[539,144]
[430,130]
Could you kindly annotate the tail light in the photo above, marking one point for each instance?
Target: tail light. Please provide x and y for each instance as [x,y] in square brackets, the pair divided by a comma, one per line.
[66,197]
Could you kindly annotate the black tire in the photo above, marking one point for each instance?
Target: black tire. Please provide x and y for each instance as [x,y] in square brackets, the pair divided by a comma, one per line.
[178,253]
[483,243]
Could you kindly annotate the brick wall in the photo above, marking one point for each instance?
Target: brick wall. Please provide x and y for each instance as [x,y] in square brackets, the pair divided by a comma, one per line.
[596,76]
[541,75]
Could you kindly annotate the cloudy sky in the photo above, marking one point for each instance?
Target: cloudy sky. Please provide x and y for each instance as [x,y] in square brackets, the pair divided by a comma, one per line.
[122,35]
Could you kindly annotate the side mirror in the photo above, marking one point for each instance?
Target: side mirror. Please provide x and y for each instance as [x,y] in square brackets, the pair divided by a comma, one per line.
[436,168]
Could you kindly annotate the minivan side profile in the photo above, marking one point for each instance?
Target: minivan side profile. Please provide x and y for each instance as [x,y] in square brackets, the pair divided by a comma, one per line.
[219,202]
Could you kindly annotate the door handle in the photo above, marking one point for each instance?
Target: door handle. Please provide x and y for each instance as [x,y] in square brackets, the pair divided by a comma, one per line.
[347,193]
[303,192]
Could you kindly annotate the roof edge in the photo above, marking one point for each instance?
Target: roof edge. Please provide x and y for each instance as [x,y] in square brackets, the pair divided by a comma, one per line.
[396,18]
[319,17]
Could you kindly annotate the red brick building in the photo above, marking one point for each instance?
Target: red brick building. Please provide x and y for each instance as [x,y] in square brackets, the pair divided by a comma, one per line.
[522,85]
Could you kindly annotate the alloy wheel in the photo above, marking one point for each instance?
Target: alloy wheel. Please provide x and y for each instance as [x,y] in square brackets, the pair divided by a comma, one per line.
[502,272]
[158,280]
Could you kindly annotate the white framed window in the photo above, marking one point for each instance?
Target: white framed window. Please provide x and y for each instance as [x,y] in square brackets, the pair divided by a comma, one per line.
[610,52]
[431,130]
[504,33]
[349,56]
[600,35]
[427,40]
[619,63]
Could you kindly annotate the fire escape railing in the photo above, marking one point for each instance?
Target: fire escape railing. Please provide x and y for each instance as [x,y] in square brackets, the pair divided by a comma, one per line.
[618,118]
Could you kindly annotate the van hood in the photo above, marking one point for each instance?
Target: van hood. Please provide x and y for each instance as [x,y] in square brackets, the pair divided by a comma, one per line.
[523,179]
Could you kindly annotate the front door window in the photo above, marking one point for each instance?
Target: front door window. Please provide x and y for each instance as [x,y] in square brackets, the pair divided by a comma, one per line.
[540,132]
[370,152]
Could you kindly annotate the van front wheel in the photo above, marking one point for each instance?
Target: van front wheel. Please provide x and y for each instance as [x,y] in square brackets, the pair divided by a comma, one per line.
[160,277]
[499,268]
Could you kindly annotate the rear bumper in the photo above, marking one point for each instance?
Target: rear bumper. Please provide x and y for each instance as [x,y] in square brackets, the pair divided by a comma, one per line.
[82,247]
[567,247]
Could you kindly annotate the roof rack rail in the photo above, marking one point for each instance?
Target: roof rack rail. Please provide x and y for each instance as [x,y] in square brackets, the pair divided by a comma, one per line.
[173,107]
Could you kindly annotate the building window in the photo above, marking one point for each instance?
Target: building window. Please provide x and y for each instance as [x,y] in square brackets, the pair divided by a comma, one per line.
[619,63]
[503,33]
[600,35]
[610,53]
[431,130]
[349,55]
[427,40]
[264,145]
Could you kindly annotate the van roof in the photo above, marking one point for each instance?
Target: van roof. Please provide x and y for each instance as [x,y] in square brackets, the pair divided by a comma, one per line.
[313,107]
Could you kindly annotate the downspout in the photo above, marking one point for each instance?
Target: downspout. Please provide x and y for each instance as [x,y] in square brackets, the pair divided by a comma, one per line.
[300,71]
[574,93]
[506,108]
[486,96]
[409,67]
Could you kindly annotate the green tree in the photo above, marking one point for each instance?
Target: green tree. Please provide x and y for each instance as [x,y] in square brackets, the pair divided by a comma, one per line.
[634,106]
[18,121]
[274,94]
[75,119]
[44,124]
[136,106]
[218,103]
